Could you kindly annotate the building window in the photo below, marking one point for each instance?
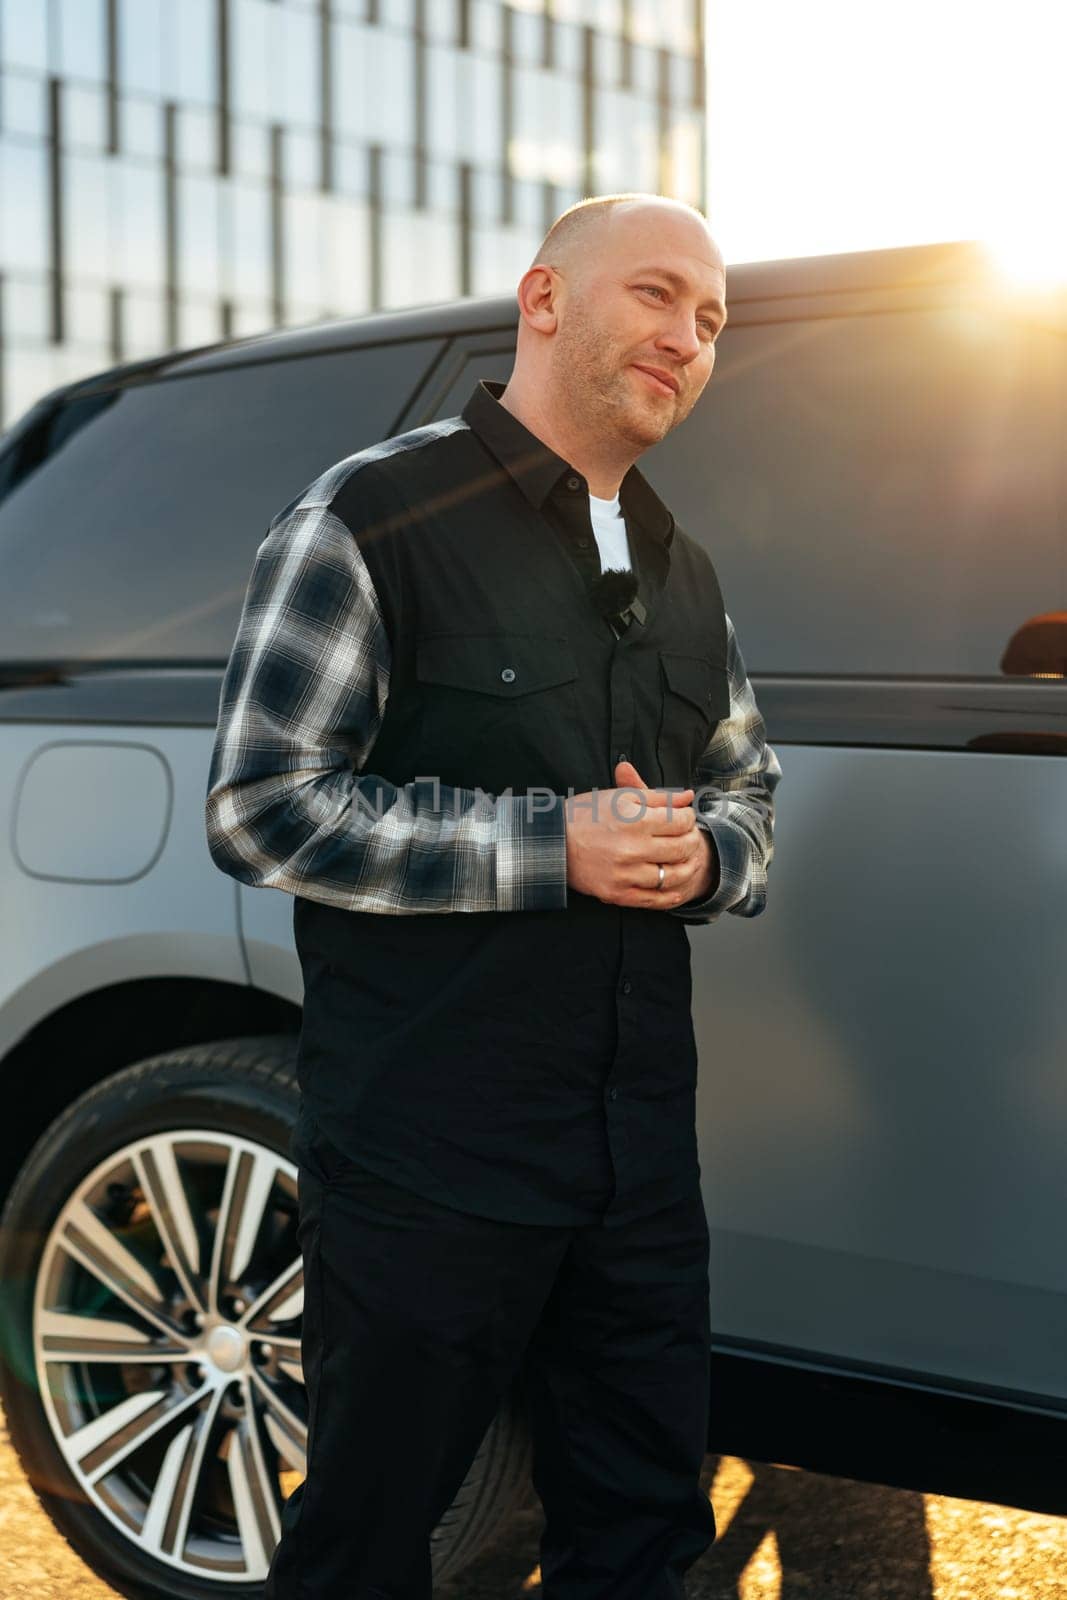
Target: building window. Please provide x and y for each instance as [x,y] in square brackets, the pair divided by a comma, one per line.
[141,34]
[24,206]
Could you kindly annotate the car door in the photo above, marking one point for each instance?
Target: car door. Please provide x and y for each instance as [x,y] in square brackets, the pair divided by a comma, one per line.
[878,475]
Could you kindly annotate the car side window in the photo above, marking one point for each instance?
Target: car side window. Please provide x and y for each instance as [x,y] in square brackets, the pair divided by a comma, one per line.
[128,530]
[880,494]
[482,356]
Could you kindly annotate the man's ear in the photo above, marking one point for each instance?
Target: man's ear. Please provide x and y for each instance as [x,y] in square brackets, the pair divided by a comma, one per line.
[537,295]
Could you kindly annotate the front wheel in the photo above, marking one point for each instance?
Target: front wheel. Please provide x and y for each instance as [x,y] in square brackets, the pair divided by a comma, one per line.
[153,1297]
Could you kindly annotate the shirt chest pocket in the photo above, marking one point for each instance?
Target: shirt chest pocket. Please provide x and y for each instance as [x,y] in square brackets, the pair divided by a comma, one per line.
[696,697]
[494,705]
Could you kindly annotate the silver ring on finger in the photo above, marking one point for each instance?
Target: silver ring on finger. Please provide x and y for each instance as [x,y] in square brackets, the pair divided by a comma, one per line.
[662,875]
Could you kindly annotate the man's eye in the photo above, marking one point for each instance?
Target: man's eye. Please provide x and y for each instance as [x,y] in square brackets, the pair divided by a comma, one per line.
[653,288]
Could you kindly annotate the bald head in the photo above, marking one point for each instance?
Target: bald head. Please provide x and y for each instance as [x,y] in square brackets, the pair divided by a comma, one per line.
[582,232]
[619,313]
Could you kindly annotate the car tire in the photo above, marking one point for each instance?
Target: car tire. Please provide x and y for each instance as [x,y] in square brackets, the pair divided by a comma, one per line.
[167,1475]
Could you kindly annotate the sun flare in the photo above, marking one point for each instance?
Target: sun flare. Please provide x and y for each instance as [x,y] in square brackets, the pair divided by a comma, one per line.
[1032,258]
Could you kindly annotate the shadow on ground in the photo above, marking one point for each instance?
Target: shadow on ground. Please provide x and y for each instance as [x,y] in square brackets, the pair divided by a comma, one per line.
[781,1533]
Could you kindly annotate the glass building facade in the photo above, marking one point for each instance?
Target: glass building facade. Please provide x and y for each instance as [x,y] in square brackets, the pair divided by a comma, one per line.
[174,172]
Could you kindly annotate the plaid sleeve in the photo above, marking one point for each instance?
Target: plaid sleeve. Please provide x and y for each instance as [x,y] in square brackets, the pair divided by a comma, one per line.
[734,782]
[289,802]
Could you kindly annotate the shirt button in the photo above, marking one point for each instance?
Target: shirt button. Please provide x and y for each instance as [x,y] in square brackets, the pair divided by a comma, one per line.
[583,544]
[626,986]
[613,1094]
[621,756]
[574,483]
[508,674]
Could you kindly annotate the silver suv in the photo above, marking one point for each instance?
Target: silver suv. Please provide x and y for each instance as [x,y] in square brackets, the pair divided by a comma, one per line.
[877,469]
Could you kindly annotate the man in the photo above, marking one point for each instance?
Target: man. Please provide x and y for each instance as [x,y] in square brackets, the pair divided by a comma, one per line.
[449,737]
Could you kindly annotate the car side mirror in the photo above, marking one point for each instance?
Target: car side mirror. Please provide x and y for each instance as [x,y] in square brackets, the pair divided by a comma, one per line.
[1039,648]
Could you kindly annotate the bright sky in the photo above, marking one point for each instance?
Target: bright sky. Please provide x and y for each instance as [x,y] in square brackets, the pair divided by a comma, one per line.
[849,125]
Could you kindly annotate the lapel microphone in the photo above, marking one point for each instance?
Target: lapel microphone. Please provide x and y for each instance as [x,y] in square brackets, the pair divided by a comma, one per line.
[614,594]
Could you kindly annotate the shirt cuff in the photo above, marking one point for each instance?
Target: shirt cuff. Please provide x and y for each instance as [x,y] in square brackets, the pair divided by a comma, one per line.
[531,855]
[732,849]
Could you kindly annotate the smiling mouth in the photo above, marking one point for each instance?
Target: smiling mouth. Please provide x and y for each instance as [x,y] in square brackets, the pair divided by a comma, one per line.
[654,382]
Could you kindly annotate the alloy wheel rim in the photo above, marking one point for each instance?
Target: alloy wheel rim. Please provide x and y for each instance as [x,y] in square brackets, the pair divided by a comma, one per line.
[166,1335]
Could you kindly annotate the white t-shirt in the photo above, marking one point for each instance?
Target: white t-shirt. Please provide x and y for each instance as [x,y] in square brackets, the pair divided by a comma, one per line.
[609,526]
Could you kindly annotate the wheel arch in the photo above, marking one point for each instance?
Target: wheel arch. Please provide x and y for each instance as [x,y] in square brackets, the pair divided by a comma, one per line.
[98,1032]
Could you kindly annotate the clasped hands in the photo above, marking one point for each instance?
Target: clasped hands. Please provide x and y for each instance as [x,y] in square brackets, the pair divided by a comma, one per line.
[617,841]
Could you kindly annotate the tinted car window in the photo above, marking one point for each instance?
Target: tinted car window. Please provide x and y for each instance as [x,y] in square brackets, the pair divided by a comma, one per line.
[133,539]
[880,494]
[482,364]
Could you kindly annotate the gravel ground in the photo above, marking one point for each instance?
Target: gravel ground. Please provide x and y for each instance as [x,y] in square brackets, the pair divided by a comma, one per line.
[782,1535]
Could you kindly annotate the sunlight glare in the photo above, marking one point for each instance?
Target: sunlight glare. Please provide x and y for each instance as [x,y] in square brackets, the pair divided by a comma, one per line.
[1032,258]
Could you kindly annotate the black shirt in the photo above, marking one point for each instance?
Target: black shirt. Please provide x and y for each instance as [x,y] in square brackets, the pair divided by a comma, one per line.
[419,680]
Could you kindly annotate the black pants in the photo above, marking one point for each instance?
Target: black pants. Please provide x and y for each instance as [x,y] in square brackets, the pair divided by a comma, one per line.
[416,1320]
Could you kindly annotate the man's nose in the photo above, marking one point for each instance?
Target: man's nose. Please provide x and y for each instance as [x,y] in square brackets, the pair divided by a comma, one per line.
[681,337]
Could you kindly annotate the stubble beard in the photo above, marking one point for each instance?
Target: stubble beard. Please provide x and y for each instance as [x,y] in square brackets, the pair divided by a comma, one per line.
[592,372]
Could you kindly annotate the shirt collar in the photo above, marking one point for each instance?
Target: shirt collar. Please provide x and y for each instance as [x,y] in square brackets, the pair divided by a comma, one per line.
[537,469]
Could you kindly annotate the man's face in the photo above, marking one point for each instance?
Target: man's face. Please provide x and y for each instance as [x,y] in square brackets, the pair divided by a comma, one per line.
[651,296]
